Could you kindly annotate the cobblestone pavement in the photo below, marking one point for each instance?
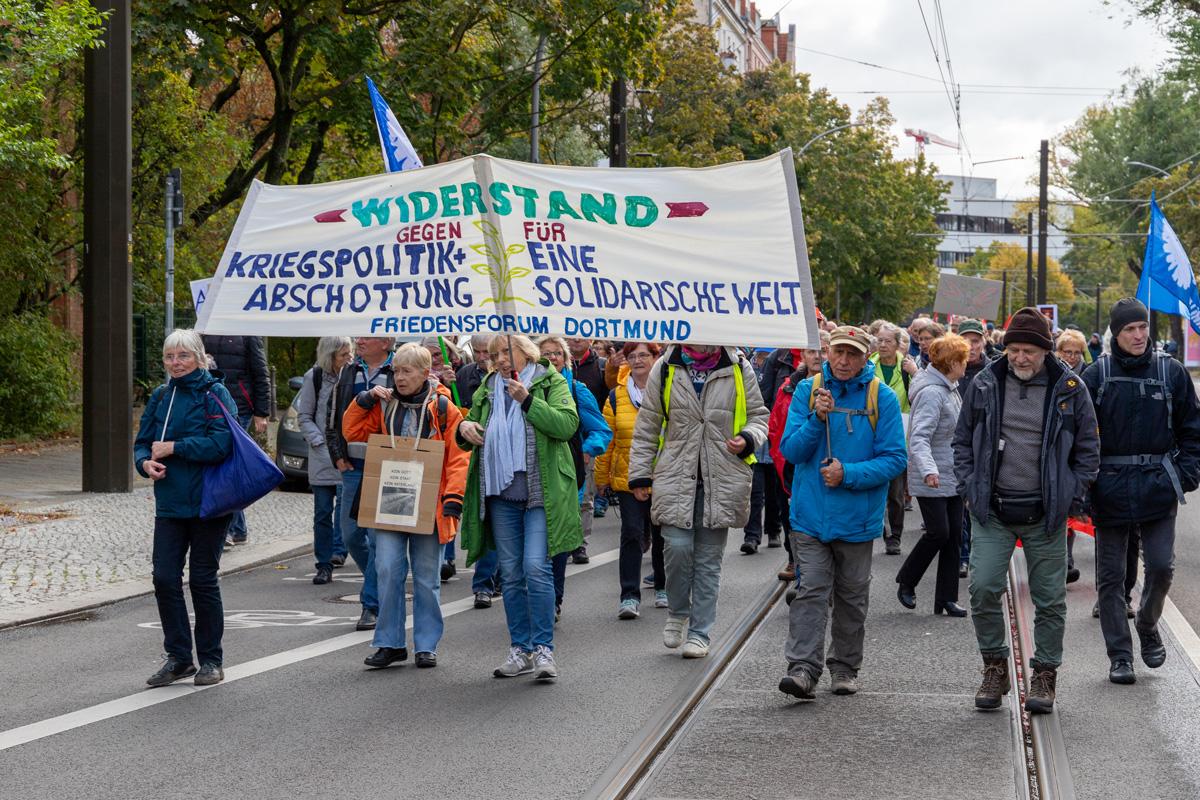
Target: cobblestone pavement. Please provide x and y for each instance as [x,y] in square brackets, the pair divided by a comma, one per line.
[101,549]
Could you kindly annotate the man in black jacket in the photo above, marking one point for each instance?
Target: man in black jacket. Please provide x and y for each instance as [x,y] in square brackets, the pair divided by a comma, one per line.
[1149,457]
[243,360]
[470,376]
[1026,451]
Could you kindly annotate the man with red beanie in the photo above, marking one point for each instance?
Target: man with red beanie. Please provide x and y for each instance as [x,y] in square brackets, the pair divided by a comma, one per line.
[1026,450]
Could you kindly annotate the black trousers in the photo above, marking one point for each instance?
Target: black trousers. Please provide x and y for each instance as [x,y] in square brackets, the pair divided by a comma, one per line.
[943,527]
[205,538]
[1114,573]
[895,506]
[636,528]
[767,499]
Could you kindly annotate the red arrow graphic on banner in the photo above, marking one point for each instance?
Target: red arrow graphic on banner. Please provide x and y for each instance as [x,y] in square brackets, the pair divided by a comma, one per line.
[331,216]
[693,209]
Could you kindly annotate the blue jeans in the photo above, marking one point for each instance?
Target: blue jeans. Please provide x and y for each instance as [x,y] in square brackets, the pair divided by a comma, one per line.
[237,522]
[486,570]
[693,564]
[520,535]
[173,538]
[394,554]
[359,541]
[327,524]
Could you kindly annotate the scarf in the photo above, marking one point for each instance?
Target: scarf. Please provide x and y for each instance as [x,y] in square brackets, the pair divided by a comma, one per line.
[701,362]
[504,439]
[797,357]
[635,393]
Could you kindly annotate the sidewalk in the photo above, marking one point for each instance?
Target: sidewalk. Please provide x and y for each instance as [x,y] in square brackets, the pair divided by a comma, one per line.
[63,550]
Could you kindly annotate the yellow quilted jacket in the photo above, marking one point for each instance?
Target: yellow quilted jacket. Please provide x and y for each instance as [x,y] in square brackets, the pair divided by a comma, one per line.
[612,468]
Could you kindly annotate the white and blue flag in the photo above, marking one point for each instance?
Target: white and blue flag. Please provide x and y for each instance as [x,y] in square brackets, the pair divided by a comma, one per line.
[398,152]
[1167,282]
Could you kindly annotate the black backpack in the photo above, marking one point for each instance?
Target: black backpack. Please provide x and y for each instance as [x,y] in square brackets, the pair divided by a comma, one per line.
[576,443]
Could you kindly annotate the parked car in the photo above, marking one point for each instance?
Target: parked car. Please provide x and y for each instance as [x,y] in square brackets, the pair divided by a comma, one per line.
[291,450]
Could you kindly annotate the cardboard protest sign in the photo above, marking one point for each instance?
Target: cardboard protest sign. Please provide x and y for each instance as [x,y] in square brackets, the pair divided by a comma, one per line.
[485,245]
[400,484]
[1050,312]
[964,296]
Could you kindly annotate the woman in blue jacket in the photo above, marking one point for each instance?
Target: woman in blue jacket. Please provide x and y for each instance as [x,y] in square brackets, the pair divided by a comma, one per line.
[592,439]
[183,430]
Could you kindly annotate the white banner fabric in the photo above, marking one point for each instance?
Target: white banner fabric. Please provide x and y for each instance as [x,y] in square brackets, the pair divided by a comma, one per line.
[486,245]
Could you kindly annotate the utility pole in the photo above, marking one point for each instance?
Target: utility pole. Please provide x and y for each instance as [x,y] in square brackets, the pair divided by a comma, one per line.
[536,123]
[837,304]
[1004,295]
[618,128]
[1029,260]
[1099,288]
[1043,214]
[174,218]
[107,272]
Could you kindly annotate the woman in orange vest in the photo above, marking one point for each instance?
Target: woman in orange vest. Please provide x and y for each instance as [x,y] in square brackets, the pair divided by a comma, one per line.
[418,406]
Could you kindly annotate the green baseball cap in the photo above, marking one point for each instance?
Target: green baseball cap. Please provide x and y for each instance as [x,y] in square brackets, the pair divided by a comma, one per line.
[970,326]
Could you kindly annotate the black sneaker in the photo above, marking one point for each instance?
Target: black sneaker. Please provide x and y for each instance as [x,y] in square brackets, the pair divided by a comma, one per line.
[483,600]
[1154,652]
[1072,574]
[170,672]
[580,556]
[385,656]
[1121,671]
[324,575]
[210,674]
[338,561]
[449,570]
[749,547]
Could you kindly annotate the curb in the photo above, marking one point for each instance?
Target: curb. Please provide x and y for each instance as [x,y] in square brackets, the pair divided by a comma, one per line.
[144,587]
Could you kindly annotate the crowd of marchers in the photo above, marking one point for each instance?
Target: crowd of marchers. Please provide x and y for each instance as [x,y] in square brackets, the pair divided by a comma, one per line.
[1001,437]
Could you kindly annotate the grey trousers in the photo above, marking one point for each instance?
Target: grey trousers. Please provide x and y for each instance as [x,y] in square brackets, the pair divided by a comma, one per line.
[589,502]
[1158,552]
[840,568]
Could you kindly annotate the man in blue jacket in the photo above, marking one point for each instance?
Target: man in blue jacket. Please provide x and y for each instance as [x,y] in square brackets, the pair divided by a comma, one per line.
[846,438]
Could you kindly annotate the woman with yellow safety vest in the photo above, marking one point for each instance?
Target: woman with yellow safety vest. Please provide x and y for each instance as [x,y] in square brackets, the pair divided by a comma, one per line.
[702,418]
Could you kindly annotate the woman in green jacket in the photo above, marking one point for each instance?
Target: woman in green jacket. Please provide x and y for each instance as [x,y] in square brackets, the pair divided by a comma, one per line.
[522,496]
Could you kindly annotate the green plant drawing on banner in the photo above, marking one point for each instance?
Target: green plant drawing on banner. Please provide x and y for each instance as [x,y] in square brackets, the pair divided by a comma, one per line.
[493,248]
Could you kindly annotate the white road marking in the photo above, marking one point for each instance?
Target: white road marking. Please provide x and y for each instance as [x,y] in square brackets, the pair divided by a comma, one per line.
[1184,634]
[152,697]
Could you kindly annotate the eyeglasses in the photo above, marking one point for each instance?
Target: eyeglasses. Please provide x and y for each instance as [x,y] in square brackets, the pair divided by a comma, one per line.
[638,357]
[167,359]
[554,354]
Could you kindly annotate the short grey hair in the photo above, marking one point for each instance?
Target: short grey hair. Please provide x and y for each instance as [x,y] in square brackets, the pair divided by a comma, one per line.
[888,328]
[327,350]
[186,339]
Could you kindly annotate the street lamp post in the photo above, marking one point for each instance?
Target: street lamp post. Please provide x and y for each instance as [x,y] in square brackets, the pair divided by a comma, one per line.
[825,133]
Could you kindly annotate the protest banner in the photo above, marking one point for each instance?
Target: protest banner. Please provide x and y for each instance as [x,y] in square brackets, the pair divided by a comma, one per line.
[485,245]
[964,296]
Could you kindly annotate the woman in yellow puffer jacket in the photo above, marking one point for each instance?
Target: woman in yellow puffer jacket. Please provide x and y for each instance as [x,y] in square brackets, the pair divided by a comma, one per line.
[612,470]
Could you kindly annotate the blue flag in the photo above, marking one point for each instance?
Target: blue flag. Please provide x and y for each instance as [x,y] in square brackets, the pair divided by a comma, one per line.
[1167,282]
[398,152]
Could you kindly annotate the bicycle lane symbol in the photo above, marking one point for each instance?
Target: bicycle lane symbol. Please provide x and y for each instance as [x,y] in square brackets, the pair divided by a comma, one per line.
[270,618]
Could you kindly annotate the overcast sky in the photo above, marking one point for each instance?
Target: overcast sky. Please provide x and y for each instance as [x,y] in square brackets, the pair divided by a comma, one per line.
[1047,43]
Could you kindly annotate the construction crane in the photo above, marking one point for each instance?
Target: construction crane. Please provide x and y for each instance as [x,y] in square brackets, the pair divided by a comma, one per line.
[925,137]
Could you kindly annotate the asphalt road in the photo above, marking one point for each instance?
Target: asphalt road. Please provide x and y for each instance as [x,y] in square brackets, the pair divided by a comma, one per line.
[325,725]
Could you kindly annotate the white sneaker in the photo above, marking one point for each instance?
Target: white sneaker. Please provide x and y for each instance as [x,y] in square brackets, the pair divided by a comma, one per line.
[543,663]
[695,648]
[674,630]
[660,600]
[628,609]
[518,663]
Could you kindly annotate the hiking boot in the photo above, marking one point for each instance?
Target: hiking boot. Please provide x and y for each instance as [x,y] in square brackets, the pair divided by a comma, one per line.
[891,546]
[483,600]
[674,630]
[661,600]
[1121,671]
[1154,652]
[338,561]
[1072,574]
[788,573]
[1040,699]
[324,575]
[790,595]
[843,683]
[628,609]
[209,675]
[749,547]
[543,663]
[518,663]
[580,556]
[695,647]
[996,682]
[773,540]
[800,685]
[170,672]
